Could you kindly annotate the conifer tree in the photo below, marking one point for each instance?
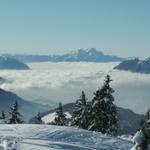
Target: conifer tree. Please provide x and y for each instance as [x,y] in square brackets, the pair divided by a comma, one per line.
[3,116]
[145,119]
[148,114]
[15,115]
[60,118]
[145,128]
[103,112]
[38,119]
[80,113]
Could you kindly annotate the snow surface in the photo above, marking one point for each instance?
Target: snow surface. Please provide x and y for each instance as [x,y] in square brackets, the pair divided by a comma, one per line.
[47,137]
[51,116]
[138,139]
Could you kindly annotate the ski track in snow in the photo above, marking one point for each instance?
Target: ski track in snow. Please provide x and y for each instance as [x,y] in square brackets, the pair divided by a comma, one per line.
[46,137]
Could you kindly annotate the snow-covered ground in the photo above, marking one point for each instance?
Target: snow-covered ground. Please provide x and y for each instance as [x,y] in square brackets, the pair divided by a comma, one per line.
[50,117]
[47,137]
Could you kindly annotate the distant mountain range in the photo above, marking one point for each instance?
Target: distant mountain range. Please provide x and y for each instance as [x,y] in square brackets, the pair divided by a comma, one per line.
[26,108]
[87,55]
[135,65]
[12,63]
[128,121]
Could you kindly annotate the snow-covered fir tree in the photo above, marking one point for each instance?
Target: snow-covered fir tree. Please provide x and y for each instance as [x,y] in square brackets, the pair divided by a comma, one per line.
[139,141]
[145,119]
[3,118]
[103,112]
[14,114]
[142,138]
[60,118]
[38,119]
[147,114]
[80,113]
[146,130]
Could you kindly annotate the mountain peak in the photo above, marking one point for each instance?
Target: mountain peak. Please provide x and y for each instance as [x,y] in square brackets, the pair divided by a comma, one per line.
[91,50]
[87,50]
[81,51]
[11,63]
[135,65]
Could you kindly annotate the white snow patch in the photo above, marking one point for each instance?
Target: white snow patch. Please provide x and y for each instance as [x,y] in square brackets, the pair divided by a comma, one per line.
[137,139]
[47,137]
[50,117]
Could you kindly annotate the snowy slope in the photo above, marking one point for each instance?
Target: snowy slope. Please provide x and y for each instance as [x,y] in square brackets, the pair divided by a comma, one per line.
[51,116]
[129,122]
[46,137]
[26,108]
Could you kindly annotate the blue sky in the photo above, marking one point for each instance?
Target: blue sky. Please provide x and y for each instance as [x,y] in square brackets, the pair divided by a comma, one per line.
[120,27]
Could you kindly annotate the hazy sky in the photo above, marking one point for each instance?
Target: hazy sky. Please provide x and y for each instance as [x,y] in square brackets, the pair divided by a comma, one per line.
[120,27]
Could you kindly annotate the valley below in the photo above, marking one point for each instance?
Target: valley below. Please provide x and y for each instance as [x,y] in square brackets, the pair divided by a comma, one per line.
[49,83]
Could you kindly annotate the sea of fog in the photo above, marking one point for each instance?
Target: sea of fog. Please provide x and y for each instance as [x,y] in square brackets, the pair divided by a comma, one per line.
[48,83]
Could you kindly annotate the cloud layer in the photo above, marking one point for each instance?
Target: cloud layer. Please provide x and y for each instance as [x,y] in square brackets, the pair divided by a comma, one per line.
[64,82]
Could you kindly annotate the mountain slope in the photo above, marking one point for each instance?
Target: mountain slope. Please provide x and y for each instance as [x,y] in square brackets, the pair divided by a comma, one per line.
[47,137]
[11,63]
[47,119]
[128,121]
[135,65]
[27,109]
[3,80]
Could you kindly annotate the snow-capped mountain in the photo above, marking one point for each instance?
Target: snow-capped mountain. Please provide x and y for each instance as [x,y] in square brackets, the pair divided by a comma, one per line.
[26,108]
[11,63]
[135,65]
[129,122]
[87,55]
[48,137]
